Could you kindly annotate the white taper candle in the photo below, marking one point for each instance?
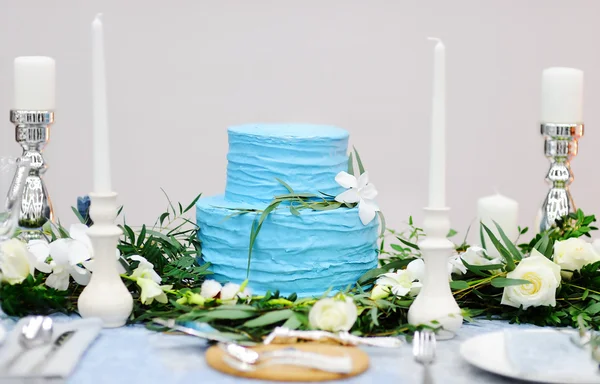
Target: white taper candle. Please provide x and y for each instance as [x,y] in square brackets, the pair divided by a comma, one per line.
[437,162]
[101,146]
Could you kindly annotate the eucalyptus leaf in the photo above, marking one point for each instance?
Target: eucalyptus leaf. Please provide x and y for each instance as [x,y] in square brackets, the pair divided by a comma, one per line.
[501,282]
[459,284]
[294,211]
[228,314]
[510,263]
[361,168]
[286,185]
[516,254]
[293,322]
[269,318]
[256,226]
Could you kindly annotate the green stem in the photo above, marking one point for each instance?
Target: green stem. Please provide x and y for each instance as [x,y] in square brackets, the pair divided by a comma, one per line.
[582,288]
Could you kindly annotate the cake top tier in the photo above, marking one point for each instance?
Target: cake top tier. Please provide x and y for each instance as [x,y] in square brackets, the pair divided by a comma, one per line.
[305,156]
[291,131]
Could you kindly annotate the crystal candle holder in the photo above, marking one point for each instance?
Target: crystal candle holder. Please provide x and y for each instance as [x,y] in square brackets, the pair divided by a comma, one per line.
[32,132]
[561,142]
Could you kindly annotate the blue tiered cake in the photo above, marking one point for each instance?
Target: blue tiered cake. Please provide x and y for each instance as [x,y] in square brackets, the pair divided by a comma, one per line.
[307,253]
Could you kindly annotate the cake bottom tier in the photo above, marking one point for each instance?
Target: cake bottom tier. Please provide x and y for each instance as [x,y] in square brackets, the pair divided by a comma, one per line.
[306,254]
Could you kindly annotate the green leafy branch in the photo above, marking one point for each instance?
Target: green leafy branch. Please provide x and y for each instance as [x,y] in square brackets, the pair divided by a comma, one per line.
[297,202]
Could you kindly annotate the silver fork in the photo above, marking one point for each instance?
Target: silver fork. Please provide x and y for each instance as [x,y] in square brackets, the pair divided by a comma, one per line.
[424,352]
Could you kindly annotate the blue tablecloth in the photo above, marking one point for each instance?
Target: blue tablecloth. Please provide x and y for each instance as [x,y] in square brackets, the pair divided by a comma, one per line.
[134,354]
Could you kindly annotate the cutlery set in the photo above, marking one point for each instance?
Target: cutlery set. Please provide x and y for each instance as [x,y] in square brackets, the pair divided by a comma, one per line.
[245,359]
[36,332]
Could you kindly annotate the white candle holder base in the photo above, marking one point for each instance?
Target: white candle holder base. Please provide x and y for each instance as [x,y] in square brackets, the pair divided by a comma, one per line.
[435,305]
[106,296]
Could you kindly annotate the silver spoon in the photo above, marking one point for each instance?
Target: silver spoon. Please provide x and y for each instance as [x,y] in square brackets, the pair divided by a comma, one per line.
[36,332]
[249,356]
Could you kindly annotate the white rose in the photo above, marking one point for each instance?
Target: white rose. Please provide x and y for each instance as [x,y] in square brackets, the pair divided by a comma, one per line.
[210,288]
[16,262]
[544,276]
[596,245]
[572,254]
[333,314]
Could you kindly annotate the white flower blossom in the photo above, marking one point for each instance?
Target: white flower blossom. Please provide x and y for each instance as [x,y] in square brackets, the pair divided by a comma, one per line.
[359,191]
[149,281]
[400,283]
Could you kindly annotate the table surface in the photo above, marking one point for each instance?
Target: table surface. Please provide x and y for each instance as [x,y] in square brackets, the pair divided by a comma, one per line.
[134,354]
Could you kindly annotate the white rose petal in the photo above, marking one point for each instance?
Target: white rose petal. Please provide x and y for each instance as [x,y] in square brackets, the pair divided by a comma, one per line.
[210,288]
[544,276]
[16,262]
[596,245]
[574,253]
[333,314]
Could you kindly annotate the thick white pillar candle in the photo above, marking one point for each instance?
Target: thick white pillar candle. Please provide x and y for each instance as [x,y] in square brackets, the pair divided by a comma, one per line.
[562,95]
[35,78]
[502,210]
[437,157]
[100,136]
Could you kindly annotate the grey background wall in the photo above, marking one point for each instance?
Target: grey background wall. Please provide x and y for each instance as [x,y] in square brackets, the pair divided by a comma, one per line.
[180,72]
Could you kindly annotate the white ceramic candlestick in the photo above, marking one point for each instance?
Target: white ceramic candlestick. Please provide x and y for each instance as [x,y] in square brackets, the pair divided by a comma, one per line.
[435,305]
[106,296]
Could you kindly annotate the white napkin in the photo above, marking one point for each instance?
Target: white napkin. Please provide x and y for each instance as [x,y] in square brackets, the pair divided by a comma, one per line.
[551,354]
[62,361]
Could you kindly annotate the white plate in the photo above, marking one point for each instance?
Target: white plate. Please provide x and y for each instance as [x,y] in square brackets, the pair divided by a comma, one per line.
[488,352]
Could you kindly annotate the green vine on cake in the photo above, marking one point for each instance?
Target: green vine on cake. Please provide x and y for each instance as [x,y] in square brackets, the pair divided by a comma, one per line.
[322,202]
